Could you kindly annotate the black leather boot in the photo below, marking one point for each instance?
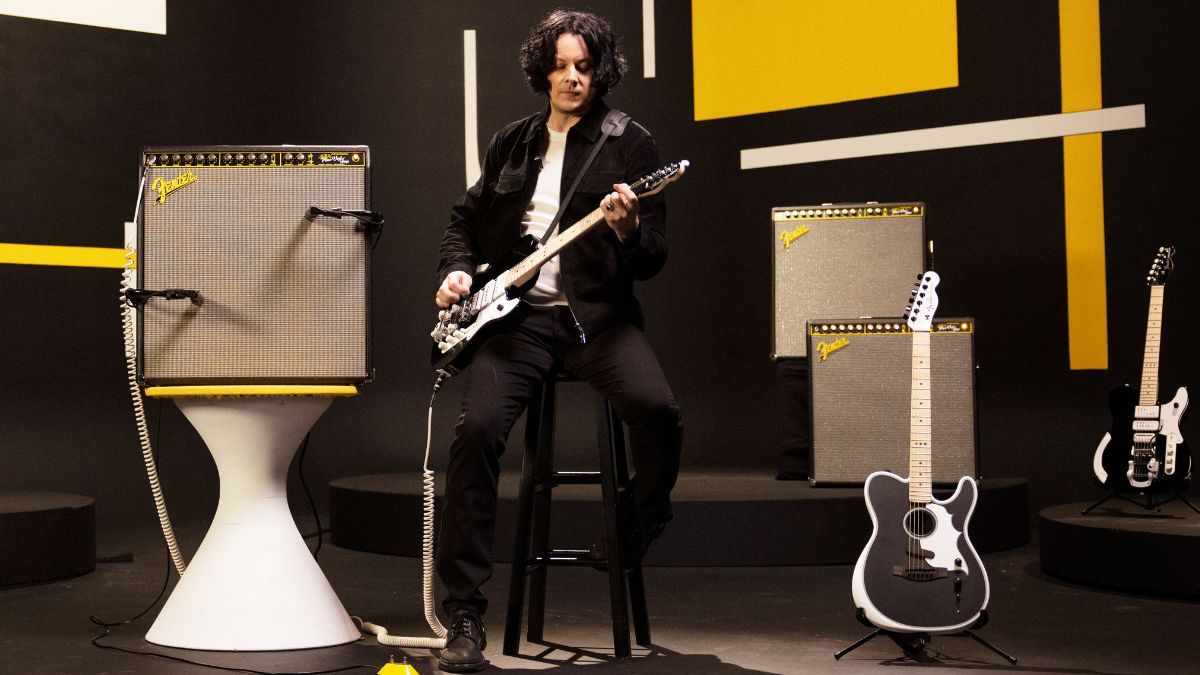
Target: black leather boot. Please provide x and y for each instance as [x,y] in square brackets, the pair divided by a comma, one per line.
[464,644]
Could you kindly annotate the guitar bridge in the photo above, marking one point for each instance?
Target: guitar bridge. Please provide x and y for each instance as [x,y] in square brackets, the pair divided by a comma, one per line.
[911,574]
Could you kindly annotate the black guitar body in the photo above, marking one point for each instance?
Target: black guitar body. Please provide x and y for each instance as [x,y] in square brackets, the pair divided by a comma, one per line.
[489,316]
[932,583]
[1152,470]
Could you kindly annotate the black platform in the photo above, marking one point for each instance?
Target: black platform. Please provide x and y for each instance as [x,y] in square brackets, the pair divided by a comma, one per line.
[45,535]
[723,517]
[1122,545]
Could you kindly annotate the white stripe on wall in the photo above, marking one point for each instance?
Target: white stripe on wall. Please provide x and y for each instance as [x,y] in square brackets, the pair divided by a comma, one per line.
[648,62]
[147,16]
[470,109]
[957,136]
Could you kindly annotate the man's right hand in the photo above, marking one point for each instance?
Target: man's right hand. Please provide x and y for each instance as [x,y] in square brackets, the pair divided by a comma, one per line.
[455,286]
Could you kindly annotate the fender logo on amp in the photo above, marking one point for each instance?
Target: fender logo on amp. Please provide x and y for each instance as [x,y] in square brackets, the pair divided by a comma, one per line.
[827,348]
[164,187]
[789,236]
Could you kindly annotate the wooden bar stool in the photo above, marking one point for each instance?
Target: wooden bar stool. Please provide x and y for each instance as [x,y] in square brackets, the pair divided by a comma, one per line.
[532,554]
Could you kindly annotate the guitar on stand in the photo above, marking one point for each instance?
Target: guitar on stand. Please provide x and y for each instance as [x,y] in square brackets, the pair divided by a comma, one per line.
[1145,453]
[919,574]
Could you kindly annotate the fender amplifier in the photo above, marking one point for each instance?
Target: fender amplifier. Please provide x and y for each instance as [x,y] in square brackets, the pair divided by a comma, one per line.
[840,260]
[283,295]
[860,378]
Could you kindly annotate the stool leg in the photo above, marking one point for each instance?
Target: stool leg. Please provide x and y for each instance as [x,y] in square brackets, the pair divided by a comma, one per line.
[521,538]
[612,533]
[637,587]
[543,469]
[637,604]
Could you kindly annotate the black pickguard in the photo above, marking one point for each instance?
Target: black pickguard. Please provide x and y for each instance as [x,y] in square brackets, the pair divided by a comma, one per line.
[1116,456]
[931,599]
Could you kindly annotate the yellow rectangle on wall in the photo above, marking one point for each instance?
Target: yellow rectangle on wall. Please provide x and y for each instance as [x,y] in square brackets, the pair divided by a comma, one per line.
[1083,187]
[757,56]
[1087,296]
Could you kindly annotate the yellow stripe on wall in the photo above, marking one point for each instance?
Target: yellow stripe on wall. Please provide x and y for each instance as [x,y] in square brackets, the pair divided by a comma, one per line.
[68,256]
[1083,187]
[758,56]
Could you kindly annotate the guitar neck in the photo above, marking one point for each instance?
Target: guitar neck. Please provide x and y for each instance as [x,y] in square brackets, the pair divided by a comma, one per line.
[1149,391]
[521,272]
[920,431]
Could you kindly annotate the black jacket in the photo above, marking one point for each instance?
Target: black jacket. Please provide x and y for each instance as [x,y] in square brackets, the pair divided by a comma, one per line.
[598,271]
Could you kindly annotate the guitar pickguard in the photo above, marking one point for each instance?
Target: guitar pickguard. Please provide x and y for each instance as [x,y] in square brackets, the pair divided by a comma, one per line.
[1170,413]
[942,543]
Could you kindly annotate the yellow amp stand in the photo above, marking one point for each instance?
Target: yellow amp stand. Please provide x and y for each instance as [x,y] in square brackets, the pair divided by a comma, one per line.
[253,585]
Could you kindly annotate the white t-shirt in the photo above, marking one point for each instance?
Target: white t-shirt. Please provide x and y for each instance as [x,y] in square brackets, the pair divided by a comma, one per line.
[538,215]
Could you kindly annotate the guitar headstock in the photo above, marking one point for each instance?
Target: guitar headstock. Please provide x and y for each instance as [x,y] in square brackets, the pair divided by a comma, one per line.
[1164,262]
[655,182]
[922,303]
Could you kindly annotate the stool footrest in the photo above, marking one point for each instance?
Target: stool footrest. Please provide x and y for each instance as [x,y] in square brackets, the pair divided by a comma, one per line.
[569,478]
[567,557]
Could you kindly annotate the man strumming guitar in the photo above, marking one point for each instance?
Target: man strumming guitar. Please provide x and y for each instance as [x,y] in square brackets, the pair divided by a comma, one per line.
[581,315]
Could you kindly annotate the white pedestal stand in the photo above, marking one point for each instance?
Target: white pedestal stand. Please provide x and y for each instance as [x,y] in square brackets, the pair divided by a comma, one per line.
[253,584]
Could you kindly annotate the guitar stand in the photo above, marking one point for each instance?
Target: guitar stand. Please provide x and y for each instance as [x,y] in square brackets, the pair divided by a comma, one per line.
[913,644]
[1151,502]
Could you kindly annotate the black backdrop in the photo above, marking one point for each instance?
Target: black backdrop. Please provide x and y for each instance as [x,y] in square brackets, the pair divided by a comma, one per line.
[76,104]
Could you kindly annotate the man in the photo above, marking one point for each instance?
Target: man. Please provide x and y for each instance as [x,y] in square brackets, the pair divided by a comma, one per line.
[581,315]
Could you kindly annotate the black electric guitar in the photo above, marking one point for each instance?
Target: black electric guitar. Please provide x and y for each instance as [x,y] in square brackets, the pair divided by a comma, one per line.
[461,327]
[1145,452]
[919,572]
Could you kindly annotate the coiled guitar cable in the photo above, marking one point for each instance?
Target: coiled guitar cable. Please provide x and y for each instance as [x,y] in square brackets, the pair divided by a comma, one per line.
[381,634]
[129,335]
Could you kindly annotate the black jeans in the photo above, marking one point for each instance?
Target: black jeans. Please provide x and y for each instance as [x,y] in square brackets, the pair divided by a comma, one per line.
[617,362]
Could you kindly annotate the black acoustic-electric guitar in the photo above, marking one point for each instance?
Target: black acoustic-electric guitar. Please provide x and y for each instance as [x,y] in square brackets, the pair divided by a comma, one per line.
[919,572]
[1145,452]
[464,325]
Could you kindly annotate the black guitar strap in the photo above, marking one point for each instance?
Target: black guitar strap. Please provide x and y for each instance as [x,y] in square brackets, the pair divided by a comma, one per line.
[613,125]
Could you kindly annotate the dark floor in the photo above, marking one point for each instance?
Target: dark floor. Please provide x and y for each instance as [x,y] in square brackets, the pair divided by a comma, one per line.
[704,620]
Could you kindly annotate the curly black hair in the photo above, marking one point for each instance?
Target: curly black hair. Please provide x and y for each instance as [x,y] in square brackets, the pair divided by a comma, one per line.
[539,49]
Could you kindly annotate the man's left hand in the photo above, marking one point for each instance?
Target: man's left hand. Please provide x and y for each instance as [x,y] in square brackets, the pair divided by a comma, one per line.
[620,209]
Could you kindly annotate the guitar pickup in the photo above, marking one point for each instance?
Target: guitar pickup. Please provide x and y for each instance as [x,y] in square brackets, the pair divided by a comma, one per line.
[1145,425]
[1145,412]
[1143,438]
